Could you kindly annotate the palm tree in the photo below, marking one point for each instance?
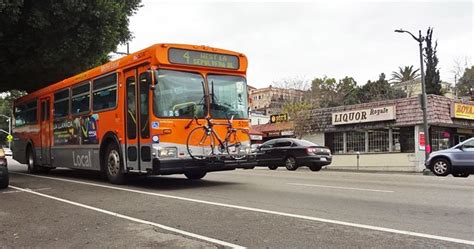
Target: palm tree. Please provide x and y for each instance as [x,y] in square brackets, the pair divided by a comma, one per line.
[405,74]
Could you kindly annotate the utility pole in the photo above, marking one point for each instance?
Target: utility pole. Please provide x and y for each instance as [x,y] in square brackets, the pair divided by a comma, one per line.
[424,99]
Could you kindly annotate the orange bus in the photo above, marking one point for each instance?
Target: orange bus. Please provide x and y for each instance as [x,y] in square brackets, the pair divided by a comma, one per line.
[134,114]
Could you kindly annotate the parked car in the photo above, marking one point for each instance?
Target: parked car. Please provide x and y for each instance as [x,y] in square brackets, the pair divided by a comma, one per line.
[4,180]
[293,153]
[458,160]
[3,159]
[8,151]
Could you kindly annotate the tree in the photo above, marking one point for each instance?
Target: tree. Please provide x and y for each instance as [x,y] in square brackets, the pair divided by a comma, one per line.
[298,104]
[326,92]
[432,79]
[379,90]
[43,42]
[405,74]
[6,104]
[460,65]
[465,86]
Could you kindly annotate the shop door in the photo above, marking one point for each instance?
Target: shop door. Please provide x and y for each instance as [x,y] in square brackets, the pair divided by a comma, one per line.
[45,131]
[138,141]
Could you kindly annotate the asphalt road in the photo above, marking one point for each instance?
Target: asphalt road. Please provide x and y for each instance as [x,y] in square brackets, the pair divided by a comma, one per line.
[248,208]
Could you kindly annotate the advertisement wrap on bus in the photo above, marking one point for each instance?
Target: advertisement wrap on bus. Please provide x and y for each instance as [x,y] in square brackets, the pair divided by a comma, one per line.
[167,109]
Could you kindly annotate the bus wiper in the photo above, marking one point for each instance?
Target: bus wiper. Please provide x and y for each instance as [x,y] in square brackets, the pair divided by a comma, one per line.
[213,95]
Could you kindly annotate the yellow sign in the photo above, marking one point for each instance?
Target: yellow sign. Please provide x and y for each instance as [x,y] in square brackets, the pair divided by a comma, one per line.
[278,118]
[9,138]
[463,111]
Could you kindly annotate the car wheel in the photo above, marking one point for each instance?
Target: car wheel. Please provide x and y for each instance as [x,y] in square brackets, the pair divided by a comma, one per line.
[315,167]
[32,168]
[290,163]
[195,174]
[273,167]
[441,167]
[460,174]
[114,165]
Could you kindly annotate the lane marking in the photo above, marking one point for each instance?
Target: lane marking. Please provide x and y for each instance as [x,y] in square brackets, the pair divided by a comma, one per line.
[164,227]
[336,187]
[20,191]
[304,217]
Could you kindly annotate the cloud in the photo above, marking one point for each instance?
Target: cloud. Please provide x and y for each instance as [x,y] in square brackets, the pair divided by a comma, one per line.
[283,39]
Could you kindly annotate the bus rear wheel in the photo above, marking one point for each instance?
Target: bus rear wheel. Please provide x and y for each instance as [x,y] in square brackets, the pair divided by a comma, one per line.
[114,165]
[32,168]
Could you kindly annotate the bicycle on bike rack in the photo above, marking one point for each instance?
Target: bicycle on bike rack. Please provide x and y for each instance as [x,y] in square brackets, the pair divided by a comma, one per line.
[204,143]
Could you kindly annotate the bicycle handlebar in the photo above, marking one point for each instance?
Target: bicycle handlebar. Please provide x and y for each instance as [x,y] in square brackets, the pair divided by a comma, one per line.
[190,122]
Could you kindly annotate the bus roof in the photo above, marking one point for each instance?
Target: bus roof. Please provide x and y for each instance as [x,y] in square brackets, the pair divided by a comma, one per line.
[156,55]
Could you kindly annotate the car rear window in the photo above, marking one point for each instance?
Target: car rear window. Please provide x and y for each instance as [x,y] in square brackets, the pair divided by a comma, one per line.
[305,143]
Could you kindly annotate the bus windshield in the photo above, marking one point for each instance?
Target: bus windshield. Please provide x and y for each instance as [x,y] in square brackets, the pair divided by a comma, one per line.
[228,96]
[179,94]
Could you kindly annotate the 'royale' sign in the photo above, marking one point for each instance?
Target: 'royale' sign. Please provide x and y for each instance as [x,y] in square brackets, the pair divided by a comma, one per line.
[364,116]
[463,111]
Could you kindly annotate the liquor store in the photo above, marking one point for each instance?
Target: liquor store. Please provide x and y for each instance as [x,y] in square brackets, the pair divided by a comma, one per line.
[388,135]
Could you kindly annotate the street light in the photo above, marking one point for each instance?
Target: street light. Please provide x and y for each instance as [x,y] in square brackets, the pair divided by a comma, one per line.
[424,99]
[9,127]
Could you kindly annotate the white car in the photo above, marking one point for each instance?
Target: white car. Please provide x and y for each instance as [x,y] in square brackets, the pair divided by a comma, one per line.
[8,151]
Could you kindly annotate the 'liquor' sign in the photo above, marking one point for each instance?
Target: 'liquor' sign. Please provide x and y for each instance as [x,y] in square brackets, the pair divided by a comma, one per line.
[364,116]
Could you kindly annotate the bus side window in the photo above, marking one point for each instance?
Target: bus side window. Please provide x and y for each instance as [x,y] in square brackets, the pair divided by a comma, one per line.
[80,100]
[61,103]
[104,94]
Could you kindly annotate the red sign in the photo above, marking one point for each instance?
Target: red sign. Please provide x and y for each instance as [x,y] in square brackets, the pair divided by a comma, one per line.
[421,139]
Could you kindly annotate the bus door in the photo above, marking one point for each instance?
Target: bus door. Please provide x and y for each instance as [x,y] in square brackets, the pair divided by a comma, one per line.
[138,142]
[45,131]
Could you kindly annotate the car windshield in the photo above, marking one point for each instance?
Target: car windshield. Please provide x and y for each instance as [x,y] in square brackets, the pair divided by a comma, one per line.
[178,94]
[228,96]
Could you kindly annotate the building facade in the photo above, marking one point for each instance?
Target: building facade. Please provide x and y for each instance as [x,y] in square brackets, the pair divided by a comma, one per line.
[388,135]
[413,88]
[258,118]
[270,100]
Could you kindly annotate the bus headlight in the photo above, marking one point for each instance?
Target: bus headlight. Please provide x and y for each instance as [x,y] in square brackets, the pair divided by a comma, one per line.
[168,152]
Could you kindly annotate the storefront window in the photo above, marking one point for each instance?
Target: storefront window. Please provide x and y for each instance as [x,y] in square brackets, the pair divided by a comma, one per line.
[355,141]
[378,141]
[440,138]
[403,140]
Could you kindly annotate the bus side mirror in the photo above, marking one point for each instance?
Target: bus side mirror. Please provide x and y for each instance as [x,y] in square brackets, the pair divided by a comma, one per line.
[150,77]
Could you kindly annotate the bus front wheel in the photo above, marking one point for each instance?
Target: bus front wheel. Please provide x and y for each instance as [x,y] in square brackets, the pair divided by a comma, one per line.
[195,174]
[114,165]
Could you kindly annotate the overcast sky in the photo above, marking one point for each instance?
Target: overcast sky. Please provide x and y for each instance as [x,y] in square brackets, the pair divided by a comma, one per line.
[312,39]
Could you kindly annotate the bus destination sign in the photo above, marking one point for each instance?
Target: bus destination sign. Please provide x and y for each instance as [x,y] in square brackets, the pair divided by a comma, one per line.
[205,59]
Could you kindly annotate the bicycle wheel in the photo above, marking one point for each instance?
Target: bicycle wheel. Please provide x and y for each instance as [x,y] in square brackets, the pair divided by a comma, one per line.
[238,144]
[199,144]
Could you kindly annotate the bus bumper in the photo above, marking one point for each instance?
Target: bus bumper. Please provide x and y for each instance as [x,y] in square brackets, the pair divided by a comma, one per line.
[179,166]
